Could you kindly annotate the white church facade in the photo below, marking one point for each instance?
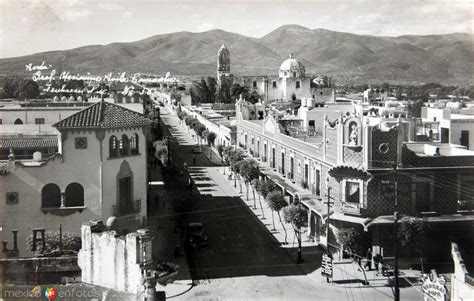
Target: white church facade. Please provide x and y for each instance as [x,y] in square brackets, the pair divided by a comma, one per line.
[290,84]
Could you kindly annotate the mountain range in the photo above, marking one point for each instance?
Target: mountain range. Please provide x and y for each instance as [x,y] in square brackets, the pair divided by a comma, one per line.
[350,58]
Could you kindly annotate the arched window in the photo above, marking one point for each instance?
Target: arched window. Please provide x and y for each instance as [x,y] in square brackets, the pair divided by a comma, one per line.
[74,195]
[18,121]
[113,147]
[124,145]
[51,196]
[134,144]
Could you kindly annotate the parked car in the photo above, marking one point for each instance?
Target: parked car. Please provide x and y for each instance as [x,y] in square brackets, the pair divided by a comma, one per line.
[195,236]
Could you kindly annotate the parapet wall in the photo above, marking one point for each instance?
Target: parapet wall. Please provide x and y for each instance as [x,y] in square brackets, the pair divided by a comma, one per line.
[461,283]
[109,260]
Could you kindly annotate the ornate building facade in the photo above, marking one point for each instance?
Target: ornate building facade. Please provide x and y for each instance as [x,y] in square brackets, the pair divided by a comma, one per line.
[335,150]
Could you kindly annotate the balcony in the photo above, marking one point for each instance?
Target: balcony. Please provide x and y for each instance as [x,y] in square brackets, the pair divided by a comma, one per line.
[351,208]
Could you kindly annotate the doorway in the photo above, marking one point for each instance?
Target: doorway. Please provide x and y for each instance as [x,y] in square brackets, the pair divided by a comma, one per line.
[444,135]
[465,139]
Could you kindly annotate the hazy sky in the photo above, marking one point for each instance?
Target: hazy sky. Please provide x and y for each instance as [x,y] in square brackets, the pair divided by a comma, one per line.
[29,26]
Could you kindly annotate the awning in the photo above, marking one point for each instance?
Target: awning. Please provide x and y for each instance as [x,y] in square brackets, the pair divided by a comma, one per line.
[388,219]
[343,172]
[313,204]
[363,221]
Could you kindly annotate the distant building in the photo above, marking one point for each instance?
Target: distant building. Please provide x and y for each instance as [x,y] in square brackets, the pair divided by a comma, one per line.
[290,84]
[371,95]
[450,125]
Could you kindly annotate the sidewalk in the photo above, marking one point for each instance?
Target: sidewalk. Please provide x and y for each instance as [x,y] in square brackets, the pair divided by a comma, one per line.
[262,211]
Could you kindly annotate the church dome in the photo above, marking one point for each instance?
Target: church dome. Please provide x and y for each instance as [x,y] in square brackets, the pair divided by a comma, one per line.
[292,68]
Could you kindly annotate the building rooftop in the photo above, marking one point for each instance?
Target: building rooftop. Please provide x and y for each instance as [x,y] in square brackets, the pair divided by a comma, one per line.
[103,115]
[28,142]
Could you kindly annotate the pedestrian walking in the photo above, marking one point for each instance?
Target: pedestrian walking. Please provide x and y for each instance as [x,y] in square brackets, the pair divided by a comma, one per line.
[377,262]
[368,263]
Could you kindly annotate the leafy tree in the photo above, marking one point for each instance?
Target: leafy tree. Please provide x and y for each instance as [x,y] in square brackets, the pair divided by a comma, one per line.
[16,87]
[257,185]
[250,171]
[162,154]
[204,134]
[235,159]
[211,137]
[237,90]
[182,115]
[276,202]
[224,93]
[199,128]
[412,232]
[297,217]
[352,241]
[176,96]
[226,153]
[204,91]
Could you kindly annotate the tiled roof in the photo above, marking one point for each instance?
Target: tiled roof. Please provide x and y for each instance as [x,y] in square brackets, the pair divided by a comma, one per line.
[103,115]
[32,142]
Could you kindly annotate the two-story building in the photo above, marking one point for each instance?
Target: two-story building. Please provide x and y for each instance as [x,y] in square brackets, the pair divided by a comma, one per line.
[335,150]
[99,171]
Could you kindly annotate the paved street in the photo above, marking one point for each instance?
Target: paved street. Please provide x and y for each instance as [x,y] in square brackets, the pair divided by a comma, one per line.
[243,259]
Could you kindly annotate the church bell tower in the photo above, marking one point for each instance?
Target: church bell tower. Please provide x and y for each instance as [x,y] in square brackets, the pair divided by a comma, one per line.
[223,65]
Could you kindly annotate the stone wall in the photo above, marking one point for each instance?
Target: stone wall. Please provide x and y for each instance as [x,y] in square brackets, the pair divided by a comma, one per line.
[109,260]
[39,270]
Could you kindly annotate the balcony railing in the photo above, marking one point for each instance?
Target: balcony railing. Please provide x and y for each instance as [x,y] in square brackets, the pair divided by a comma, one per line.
[351,208]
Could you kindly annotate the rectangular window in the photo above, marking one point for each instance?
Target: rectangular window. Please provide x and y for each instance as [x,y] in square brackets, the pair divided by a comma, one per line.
[1,122]
[353,192]
[39,120]
[254,84]
[274,85]
[297,84]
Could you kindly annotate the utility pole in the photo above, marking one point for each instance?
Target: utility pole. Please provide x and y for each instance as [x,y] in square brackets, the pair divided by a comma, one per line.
[327,258]
[395,233]
[329,203]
